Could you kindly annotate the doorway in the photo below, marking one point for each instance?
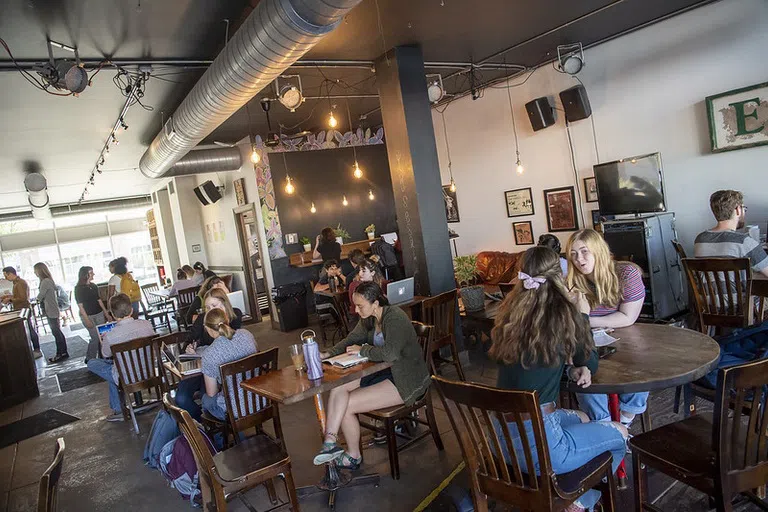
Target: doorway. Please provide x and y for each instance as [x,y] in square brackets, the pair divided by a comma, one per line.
[256,284]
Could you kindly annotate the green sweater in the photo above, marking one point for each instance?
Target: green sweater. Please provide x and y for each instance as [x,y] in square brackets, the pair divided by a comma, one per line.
[401,348]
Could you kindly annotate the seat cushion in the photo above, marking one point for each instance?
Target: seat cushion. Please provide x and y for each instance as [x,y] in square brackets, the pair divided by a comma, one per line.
[586,476]
[251,455]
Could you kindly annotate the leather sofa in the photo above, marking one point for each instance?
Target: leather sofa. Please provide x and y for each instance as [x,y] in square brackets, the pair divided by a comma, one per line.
[494,267]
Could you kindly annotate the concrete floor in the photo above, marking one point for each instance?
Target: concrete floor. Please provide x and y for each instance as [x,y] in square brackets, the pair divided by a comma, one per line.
[103,468]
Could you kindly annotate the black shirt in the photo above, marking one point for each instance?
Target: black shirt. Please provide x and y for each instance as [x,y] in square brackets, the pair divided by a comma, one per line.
[88,296]
[207,273]
[330,251]
[199,334]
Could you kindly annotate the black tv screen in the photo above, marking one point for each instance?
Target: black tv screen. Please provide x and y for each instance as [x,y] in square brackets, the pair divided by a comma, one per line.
[630,185]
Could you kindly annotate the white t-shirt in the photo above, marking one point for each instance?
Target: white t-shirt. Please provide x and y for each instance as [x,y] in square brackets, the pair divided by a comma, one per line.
[115,281]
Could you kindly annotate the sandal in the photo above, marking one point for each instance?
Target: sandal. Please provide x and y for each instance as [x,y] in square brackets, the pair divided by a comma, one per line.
[328,453]
[346,461]
[57,358]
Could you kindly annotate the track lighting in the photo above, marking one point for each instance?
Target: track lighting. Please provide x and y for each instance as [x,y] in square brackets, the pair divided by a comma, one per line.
[289,188]
[370,195]
[358,172]
[255,158]
[290,95]
[123,125]
[344,201]
[312,209]
[114,140]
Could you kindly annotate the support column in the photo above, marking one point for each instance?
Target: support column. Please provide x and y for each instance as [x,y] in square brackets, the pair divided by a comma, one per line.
[413,164]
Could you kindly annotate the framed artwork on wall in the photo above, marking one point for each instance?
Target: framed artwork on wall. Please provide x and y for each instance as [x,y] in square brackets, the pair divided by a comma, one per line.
[590,190]
[561,209]
[523,232]
[451,204]
[738,118]
[596,224]
[239,185]
[519,202]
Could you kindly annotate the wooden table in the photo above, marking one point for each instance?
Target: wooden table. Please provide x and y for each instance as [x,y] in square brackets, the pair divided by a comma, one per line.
[289,386]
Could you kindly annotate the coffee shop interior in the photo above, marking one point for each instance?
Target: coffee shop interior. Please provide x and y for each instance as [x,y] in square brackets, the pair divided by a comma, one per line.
[233,233]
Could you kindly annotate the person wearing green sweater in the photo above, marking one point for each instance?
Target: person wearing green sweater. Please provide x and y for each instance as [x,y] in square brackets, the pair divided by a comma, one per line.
[540,332]
[384,333]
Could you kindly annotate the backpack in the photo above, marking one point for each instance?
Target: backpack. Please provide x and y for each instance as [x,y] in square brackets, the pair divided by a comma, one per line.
[741,346]
[62,298]
[177,464]
[385,252]
[164,429]
[130,287]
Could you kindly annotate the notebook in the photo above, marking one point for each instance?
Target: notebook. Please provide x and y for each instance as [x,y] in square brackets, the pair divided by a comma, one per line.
[346,360]
[185,364]
[602,338]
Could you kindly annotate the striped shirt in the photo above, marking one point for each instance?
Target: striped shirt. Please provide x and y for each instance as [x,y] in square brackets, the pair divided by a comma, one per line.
[632,289]
[730,244]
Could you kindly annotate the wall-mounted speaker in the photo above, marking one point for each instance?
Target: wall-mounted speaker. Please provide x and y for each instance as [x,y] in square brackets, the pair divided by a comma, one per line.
[576,103]
[541,113]
[207,193]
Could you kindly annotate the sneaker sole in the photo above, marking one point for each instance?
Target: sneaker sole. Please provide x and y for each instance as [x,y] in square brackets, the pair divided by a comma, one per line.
[324,458]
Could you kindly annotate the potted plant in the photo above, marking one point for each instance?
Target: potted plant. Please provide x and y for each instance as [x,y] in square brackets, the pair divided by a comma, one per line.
[341,234]
[307,243]
[465,270]
[371,230]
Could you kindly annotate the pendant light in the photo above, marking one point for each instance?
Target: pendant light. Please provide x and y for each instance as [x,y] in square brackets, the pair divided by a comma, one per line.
[370,195]
[452,186]
[255,157]
[518,165]
[312,208]
[344,201]
[332,122]
[357,173]
[289,186]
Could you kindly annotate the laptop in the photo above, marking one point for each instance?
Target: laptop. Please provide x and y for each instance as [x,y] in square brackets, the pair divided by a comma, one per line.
[185,364]
[104,329]
[237,300]
[400,291]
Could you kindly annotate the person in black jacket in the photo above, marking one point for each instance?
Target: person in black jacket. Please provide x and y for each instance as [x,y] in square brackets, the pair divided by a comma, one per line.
[197,305]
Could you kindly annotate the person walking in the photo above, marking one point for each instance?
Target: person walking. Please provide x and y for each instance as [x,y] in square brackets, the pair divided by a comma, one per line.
[46,296]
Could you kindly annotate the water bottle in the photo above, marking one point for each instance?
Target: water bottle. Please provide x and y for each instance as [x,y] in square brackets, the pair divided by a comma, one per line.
[333,284]
[312,355]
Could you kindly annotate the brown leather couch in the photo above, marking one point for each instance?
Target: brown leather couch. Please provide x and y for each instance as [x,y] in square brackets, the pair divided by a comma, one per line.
[496,267]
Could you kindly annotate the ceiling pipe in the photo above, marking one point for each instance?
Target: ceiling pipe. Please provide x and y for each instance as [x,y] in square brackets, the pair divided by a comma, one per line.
[37,189]
[274,36]
[207,160]
[89,207]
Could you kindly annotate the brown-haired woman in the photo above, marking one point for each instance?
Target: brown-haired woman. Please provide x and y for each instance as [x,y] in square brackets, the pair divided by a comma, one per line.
[538,332]
[46,297]
[326,246]
[367,272]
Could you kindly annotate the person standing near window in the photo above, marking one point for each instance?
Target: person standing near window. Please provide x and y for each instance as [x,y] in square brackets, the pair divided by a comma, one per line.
[92,309]
[46,296]
[19,299]
[123,282]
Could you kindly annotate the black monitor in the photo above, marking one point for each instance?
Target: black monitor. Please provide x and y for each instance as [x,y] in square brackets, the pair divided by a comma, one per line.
[631,185]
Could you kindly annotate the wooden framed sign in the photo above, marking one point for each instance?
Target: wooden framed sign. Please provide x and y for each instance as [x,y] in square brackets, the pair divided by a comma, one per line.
[519,202]
[561,209]
[738,119]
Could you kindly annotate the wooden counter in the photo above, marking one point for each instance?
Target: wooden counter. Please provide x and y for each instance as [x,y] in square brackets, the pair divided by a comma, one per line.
[304,259]
[18,377]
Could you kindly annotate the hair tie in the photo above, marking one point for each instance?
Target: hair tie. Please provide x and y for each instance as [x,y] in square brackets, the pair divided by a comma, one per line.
[531,283]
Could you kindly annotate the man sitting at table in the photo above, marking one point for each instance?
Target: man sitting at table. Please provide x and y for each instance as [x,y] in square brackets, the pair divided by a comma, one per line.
[723,241]
[331,271]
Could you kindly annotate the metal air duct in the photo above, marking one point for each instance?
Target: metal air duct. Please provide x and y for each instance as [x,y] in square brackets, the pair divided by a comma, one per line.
[207,160]
[37,188]
[74,208]
[274,36]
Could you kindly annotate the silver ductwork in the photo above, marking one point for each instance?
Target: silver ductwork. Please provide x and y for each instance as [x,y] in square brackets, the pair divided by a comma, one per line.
[274,36]
[207,160]
[37,188]
[91,207]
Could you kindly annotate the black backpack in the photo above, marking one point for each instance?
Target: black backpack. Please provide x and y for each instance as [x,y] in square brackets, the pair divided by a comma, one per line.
[385,252]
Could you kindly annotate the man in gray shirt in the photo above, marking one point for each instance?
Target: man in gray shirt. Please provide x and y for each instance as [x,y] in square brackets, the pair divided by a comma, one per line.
[723,241]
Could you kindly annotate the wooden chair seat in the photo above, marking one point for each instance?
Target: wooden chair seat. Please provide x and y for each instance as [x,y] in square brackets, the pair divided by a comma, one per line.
[397,411]
[254,454]
[583,478]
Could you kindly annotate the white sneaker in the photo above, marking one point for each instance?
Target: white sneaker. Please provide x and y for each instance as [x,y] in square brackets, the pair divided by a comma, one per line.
[37,354]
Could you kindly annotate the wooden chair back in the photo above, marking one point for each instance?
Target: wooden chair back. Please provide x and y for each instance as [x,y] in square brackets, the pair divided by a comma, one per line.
[341,303]
[150,299]
[741,451]
[440,312]
[722,288]
[169,340]
[477,414]
[245,409]
[47,496]
[679,249]
[187,296]
[425,334]
[138,364]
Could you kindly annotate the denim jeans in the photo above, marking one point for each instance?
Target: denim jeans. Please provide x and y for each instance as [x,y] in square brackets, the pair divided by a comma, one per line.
[93,350]
[103,368]
[33,337]
[185,395]
[61,341]
[596,406]
[213,405]
[571,444]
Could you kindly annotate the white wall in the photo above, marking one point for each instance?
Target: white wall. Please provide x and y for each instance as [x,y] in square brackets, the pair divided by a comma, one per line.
[165,233]
[647,93]
[185,208]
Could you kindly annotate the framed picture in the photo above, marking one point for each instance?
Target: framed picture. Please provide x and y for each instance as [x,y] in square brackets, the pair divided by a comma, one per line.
[451,204]
[590,190]
[519,202]
[240,191]
[561,209]
[523,232]
[738,118]
[596,224]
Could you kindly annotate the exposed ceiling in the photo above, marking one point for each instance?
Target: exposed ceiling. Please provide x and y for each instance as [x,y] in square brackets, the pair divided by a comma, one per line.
[63,136]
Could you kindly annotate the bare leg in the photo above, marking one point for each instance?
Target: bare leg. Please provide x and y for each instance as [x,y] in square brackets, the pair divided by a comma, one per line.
[337,407]
[378,396]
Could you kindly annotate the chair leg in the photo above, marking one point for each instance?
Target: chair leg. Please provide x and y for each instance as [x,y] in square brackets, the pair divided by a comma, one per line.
[394,465]
[641,489]
[645,420]
[689,401]
[133,416]
[723,503]
[290,489]
[678,395]
[456,361]
[270,485]
[433,424]
[609,492]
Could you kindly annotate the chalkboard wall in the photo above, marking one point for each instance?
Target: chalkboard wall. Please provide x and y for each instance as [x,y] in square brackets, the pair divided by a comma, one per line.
[323,177]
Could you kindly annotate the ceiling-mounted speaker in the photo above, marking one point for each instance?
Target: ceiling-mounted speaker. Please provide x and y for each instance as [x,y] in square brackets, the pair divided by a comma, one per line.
[207,193]
[541,113]
[576,103]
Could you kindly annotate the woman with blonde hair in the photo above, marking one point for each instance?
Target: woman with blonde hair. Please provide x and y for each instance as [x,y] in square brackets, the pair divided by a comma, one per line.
[615,292]
[46,297]
[228,345]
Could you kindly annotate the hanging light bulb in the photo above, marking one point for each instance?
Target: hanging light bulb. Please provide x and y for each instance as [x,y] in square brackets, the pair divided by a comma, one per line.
[370,195]
[255,158]
[520,168]
[289,188]
[358,171]
[312,209]
[452,188]
[344,201]
[332,122]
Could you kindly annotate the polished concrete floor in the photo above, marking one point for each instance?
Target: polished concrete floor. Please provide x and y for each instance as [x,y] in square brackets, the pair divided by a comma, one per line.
[103,468]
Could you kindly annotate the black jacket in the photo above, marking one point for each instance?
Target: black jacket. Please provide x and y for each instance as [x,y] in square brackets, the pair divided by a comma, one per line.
[201,336]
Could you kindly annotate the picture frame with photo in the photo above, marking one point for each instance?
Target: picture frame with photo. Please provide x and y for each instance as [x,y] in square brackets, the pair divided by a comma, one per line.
[561,209]
[523,232]
[239,186]
[451,205]
[590,190]
[519,202]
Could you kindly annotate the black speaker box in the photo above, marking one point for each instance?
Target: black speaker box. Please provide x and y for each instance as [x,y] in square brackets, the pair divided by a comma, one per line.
[576,103]
[207,193]
[540,113]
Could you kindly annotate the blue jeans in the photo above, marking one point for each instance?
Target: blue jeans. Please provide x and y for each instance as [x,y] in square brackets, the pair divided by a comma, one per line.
[596,406]
[212,405]
[103,368]
[185,395]
[571,444]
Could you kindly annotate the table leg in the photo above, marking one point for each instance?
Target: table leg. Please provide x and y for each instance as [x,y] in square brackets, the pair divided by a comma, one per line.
[320,411]
[613,407]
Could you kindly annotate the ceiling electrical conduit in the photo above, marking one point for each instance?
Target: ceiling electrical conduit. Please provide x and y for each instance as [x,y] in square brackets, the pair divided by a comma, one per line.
[274,36]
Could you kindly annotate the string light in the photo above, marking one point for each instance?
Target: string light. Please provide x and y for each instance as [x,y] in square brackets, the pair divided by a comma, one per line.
[344,201]
[452,188]
[332,122]
[448,150]
[370,195]
[518,165]
[358,172]
[289,188]
[255,157]
[312,209]
[520,169]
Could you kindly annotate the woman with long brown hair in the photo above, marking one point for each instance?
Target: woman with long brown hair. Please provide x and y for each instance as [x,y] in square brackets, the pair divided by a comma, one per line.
[540,331]
[46,297]
[326,246]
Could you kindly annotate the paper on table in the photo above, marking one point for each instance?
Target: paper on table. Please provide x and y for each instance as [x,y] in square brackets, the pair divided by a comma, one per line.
[346,360]
[602,338]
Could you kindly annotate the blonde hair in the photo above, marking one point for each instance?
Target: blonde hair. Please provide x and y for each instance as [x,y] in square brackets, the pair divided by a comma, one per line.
[607,286]
[218,293]
[41,269]
[217,320]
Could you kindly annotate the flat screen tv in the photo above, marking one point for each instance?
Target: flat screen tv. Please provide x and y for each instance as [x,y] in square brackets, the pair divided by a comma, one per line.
[631,185]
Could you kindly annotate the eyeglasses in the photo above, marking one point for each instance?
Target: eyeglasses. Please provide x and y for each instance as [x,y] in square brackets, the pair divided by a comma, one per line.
[744,207]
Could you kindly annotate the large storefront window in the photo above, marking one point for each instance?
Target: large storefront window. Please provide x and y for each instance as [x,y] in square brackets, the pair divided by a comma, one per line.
[137,248]
[95,253]
[23,261]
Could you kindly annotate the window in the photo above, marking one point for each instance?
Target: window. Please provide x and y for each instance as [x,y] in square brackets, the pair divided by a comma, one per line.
[137,248]
[95,253]
[24,260]
[80,219]
[19,226]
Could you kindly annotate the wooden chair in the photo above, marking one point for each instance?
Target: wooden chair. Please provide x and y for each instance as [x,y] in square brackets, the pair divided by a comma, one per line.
[718,454]
[185,300]
[47,495]
[679,249]
[137,364]
[232,472]
[474,411]
[440,312]
[156,308]
[390,416]
[170,379]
